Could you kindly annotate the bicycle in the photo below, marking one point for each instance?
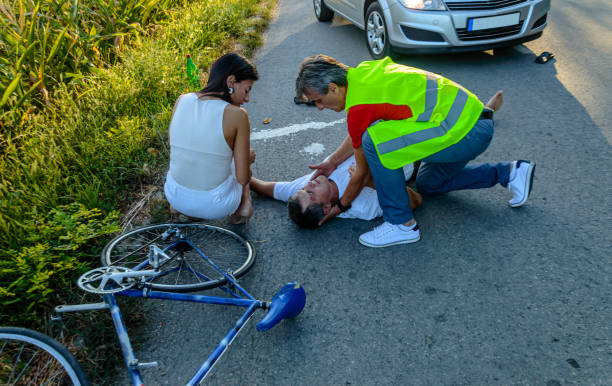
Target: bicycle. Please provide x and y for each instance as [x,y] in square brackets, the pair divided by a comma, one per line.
[164,261]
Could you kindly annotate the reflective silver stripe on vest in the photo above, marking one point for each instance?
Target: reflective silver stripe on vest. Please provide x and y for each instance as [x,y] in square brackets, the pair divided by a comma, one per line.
[431,98]
[424,135]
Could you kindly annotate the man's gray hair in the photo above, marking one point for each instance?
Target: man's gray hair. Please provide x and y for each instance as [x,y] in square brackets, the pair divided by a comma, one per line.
[317,72]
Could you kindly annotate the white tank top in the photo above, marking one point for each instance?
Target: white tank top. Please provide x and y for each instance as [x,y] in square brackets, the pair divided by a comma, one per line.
[200,159]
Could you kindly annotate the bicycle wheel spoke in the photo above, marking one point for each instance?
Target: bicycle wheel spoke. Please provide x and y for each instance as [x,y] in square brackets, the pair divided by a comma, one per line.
[42,371]
[180,269]
[53,378]
[17,361]
[196,273]
[223,247]
[140,245]
[26,366]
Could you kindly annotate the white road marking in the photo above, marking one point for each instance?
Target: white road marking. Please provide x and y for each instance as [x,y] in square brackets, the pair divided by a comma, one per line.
[272,133]
[314,149]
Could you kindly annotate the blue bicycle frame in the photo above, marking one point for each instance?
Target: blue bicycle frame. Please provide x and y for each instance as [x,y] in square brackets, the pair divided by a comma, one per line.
[287,303]
[128,355]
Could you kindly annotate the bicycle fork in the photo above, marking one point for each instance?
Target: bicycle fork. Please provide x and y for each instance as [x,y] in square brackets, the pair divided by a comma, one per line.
[206,368]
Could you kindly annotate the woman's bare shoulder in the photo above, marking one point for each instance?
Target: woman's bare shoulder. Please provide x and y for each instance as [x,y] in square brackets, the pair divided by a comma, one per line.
[235,113]
[233,109]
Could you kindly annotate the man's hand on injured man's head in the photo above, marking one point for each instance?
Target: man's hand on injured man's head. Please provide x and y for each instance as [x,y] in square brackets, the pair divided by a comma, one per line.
[324,168]
[333,212]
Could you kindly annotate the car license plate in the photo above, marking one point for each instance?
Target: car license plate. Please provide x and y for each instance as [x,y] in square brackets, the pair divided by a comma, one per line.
[493,21]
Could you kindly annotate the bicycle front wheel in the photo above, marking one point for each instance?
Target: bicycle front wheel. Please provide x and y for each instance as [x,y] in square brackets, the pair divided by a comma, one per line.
[187,270]
[28,357]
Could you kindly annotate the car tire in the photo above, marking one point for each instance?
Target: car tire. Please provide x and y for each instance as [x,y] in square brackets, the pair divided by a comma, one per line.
[376,34]
[322,12]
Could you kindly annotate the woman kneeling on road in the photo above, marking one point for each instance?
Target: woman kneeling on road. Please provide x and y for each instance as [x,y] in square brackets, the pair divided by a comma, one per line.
[210,153]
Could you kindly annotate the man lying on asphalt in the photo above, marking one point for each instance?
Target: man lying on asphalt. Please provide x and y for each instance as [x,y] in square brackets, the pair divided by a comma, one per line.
[397,115]
[309,200]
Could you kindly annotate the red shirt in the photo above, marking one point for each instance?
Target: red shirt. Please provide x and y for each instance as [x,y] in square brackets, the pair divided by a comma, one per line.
[359,117]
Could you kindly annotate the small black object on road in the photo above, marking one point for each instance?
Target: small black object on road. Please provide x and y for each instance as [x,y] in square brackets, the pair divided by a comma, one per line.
[544,57]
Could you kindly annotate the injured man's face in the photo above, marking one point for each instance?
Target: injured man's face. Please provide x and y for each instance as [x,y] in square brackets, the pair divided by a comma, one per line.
[317,191]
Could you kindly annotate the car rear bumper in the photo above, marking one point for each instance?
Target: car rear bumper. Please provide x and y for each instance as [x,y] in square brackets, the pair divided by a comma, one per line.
[447,31]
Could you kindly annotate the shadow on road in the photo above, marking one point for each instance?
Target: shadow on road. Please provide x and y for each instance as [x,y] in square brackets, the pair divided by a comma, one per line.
[491,295]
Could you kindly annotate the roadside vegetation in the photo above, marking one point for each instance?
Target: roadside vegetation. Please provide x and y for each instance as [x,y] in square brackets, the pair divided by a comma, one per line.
[86,93]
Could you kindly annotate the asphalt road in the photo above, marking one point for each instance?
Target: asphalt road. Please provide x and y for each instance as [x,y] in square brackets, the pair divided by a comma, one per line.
[490,295]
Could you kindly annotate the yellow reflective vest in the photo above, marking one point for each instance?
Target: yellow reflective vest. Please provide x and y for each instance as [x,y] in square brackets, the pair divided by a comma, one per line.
[443,111]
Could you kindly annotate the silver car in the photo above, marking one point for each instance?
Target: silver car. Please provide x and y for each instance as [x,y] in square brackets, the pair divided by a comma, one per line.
[430,26]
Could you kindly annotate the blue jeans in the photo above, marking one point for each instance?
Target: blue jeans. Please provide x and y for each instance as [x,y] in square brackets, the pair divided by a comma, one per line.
[440,172]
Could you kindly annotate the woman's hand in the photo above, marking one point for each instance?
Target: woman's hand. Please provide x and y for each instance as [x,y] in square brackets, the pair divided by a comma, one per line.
[325,168]
[352,169]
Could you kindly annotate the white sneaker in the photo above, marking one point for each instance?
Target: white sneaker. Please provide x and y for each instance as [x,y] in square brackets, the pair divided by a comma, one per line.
[387,234]
[521,182]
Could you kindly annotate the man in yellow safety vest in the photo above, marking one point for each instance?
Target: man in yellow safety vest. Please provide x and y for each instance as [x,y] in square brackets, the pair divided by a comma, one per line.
[397,115]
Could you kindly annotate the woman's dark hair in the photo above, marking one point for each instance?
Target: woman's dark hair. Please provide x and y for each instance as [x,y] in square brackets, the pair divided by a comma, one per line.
[228,64]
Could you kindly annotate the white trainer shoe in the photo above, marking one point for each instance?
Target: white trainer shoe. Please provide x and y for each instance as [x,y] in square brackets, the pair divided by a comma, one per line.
[387,234]
[521,183]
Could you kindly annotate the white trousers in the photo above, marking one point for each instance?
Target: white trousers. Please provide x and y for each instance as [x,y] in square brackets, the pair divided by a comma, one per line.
[207,204]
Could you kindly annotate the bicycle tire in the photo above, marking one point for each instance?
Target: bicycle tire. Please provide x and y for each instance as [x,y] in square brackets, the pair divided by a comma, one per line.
[231,252]
[28,357]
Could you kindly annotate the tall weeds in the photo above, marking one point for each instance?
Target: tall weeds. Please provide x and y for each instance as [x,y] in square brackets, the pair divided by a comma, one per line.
[95,108]
[44,43]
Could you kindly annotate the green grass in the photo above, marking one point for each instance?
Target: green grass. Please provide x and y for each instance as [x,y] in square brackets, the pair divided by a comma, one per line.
[71,155]
[45,43]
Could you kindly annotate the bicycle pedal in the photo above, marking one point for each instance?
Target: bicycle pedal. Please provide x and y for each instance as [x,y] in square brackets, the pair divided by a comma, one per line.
[135,365]
[147,364]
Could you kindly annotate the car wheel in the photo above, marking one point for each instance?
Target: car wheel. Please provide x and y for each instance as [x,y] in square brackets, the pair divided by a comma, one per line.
[376,34]
[322,12]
